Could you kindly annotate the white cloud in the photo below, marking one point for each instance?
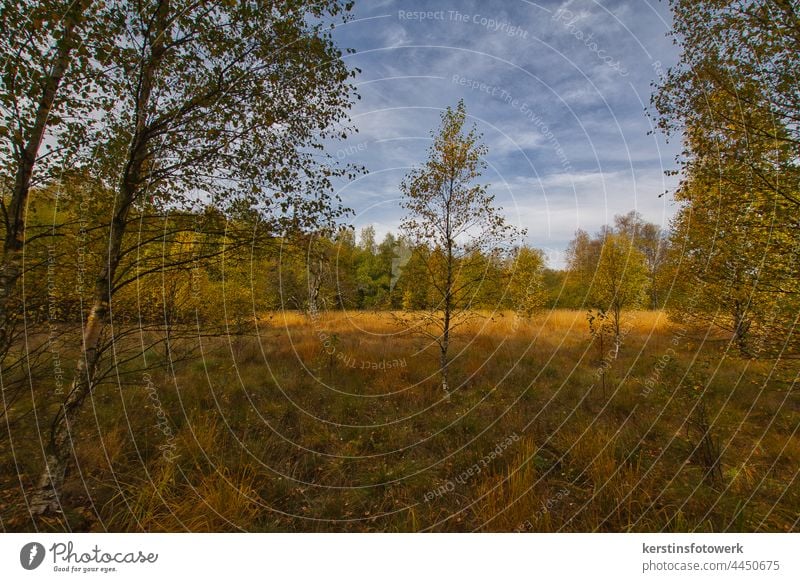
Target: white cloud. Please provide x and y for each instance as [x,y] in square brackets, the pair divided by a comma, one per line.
[595,115]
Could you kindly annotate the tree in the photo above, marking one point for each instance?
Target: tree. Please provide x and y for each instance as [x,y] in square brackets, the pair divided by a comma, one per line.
[366,240]
[732,264]
[620,280]
[229,103]
[613,271]
[526,289]
[397,253]
[653,243]
[414,285]
[374,269]
[343,264]
[50,83]
[454,219]
[736,82]
[582,256]
[733,98]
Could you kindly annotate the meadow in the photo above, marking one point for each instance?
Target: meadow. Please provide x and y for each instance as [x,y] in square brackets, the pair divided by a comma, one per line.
[338,422]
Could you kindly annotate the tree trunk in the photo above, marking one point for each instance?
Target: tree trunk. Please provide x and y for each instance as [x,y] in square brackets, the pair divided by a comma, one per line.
[741,327]
[47,497]
[603,358]
[27,155]
[59,448]
[444,345]
[443,359]
[617,335]
[444,342]
[653,294]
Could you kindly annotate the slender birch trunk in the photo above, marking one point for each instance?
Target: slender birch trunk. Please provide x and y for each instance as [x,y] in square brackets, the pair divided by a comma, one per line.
[15,215]
[59,450]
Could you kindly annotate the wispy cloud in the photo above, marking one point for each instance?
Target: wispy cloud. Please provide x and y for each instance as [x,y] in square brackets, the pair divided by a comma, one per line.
[577,153]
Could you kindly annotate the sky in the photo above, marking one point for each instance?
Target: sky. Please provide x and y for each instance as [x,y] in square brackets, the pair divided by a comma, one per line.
[559,90]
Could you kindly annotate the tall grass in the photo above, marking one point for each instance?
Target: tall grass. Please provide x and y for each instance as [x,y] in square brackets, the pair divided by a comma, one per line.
[338,423]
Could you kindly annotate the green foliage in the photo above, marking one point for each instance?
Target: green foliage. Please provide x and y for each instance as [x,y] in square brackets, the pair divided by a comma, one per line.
[610,271]
[52,84]
[653,243]
[457,233]
[736,237]
[526,285]
[620,277]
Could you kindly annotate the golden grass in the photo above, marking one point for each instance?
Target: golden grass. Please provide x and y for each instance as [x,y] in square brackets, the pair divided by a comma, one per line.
[280,431]
[556,320]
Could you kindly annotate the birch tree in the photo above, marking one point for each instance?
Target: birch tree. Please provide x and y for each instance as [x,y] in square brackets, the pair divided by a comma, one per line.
[51,81]
[452,221]
[732,99]
[226,103]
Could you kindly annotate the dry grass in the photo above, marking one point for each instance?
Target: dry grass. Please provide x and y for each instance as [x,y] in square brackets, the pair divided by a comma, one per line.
[337,423]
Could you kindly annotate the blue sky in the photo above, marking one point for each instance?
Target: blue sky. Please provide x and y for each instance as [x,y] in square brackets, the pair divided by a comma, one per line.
[558,89]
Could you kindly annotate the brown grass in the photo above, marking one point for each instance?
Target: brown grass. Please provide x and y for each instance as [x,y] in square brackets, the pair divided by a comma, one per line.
[281,431]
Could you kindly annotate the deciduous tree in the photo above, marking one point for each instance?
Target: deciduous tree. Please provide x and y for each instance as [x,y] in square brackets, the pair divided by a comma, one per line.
[221,103]
[733,100]
[454,219]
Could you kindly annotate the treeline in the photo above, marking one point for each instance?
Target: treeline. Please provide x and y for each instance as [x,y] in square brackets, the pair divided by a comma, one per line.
[628,264]
[213,268]
[358,273]
[209,267]
[216,269]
